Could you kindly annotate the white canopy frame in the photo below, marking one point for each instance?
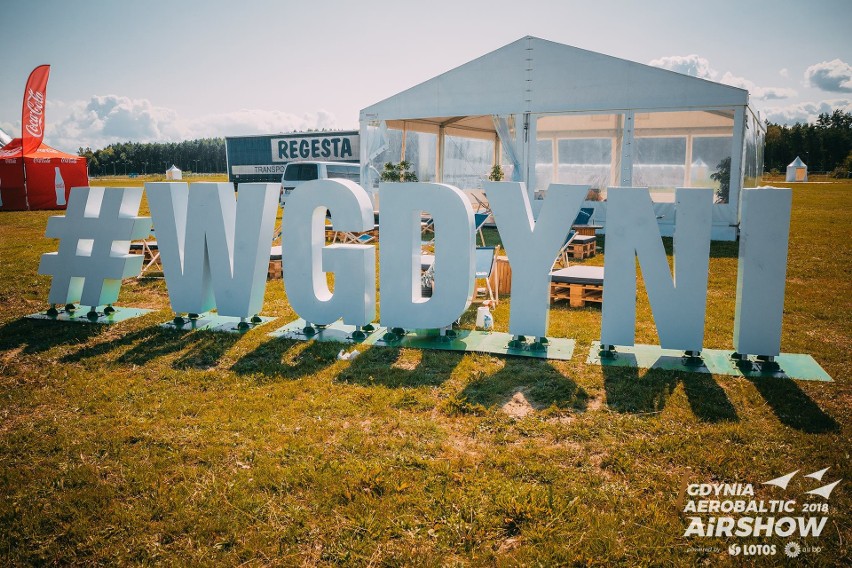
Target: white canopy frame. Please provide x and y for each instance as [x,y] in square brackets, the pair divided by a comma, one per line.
[509,95]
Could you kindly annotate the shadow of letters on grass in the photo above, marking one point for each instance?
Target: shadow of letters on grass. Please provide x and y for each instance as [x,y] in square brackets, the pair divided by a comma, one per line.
[539,382]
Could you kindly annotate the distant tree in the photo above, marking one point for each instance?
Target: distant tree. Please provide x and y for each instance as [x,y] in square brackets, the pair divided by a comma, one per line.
[208,152]
[823,145]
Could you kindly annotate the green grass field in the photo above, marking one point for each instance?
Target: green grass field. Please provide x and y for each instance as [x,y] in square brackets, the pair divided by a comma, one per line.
[131,444]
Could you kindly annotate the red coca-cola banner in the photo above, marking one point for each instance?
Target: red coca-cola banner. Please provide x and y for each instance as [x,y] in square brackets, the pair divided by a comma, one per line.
[32,117]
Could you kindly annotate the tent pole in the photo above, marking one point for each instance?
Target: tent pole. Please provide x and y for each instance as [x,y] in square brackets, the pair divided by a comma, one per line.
[439,158]
[24,168]
[627,154]
[404,136]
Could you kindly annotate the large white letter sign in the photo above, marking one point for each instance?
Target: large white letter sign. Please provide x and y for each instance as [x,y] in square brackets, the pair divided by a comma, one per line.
[762,270]
[214,246]
[306,259]
[678,303]
[95,235]
[403,304]
[532,246]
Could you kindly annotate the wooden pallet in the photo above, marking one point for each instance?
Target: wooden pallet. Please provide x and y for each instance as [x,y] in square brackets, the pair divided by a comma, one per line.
[578,295]
[501,277]
[582,248]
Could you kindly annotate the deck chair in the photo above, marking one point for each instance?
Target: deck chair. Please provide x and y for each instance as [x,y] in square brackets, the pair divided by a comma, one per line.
[352,237]
[478,222]
[427,228]
[584,216]
[562,255]
[427,274]
[484,266]
[479,200]
[150,252]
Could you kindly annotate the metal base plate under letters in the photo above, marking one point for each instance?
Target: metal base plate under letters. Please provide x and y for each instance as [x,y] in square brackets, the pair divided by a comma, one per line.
[214,322]
[492,342]
[337,332]
[81,315]
[715,361]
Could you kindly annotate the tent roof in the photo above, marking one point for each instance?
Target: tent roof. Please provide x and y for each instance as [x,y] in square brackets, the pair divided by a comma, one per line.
[14,149]
[538,76]
[797,163]
[173,168]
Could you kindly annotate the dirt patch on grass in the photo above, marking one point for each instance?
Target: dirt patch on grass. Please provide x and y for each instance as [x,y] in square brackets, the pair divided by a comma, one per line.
[518,406]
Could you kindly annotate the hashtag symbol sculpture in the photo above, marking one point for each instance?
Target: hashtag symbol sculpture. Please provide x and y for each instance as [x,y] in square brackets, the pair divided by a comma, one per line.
[94,244]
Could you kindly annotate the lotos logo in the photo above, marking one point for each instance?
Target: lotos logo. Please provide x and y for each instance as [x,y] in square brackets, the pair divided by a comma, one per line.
[35,104]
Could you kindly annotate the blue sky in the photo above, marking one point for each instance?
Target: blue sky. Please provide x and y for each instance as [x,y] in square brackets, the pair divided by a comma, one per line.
[158,70]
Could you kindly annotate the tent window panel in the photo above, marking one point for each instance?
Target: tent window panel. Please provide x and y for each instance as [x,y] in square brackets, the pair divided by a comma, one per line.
[420,151]
[586,150]
[543,164]
[680,149]
[391,153]
[585,162]
[753,152]
[659,164]
[467,161]
[710,155]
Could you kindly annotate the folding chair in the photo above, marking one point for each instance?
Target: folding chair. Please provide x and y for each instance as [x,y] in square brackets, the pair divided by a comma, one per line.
[484,266]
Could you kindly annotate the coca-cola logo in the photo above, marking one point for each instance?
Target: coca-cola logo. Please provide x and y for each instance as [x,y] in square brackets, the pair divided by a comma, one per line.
[41,160]
[35,117]
[69,161]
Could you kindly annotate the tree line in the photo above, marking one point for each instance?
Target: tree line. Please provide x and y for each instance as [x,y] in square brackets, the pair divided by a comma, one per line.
[825,146]
[204,155]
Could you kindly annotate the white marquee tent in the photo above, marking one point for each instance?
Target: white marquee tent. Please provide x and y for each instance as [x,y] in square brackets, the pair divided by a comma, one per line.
[555,113]
[797,170]
[174,172]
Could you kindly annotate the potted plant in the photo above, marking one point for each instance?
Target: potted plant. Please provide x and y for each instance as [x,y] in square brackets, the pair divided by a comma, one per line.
[398,172]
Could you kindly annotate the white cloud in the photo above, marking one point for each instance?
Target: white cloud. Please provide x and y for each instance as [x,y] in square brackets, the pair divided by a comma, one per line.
[256,121]
[105,119]
[692,65]
[13,129]
[765,93]
[697,66]
[805,112]
[834,76]
[784,73]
